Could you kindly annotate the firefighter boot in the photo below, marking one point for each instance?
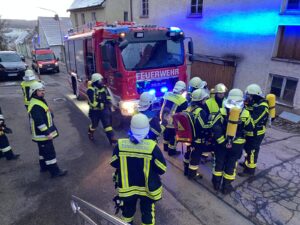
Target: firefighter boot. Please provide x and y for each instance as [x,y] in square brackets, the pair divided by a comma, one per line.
[227,187]
[242,164]
[216,181]
[1,155]
[10,155]
[91,134]
[193,174]
[185,169]
[55,171]
[43,166]
[111,137]
[166,149]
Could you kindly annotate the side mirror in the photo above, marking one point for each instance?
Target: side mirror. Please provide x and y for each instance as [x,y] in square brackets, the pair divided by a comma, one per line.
[106,66]
[191,47]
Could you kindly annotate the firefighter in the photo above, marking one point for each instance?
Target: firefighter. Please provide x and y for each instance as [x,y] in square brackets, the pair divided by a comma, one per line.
[43,130]
[195,83]
[5,149]
[173,102]
[139,164]
[29,78]
[100,104]
[259,110]
[200,124]
[145,107]
[229,146]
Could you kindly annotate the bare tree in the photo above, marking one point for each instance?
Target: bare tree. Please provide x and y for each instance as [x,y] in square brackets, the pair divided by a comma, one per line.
[3,41]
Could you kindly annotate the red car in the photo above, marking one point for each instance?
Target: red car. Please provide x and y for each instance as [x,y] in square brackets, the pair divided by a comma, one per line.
[44,60]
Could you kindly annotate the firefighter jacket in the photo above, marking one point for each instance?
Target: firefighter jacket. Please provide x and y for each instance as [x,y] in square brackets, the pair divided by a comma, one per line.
[2,124]
[25,85]
[200,125]
[41,120]
[155,128]
[98,98]
[245,126]
[260,113]
[138,168]
[172,103]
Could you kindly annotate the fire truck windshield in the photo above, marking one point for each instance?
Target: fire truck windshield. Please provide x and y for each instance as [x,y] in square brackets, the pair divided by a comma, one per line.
[150,55]
[45,57]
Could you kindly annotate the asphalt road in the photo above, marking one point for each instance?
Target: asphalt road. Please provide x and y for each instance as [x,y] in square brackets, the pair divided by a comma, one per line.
[31,198]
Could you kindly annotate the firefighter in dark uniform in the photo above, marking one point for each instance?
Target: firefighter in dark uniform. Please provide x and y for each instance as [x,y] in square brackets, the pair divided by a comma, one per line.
[200,124]
[99,101]
[195,83]
[5,149]
[43,130]
[29,78]
[139,164]
[173,102]
[145,107]
[229,149]
[259,110]
[213,105]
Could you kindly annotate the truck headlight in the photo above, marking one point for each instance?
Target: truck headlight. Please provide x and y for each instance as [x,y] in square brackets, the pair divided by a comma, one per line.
[40,65]
[128,107]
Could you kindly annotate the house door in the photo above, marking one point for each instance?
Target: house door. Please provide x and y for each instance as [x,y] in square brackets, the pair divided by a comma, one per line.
[214,72]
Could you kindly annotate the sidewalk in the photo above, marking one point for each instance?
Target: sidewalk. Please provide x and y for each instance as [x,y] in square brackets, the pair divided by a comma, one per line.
[270,197]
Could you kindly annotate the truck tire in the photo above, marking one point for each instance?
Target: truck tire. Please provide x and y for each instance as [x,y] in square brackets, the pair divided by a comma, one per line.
[75,89]
[120,122]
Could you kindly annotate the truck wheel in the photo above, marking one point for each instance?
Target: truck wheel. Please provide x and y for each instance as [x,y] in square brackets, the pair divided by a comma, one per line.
[57,70]
[76,91]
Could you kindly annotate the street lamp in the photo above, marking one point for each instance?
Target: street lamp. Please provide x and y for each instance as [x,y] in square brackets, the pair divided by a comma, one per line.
[56,17]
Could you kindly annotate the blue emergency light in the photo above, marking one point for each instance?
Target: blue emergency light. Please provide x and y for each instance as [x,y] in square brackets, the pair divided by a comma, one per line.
[152,91]
[163,89]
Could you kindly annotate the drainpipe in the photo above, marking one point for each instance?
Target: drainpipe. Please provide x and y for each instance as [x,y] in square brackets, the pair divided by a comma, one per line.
[131,16]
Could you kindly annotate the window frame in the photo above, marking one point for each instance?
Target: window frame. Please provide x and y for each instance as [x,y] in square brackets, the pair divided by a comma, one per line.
[144,7]
[197,14]
[82,15]
[279,98]
[94,16]
[284,8]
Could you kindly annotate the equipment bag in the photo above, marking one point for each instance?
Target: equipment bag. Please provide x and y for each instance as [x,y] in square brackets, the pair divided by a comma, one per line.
[183,127]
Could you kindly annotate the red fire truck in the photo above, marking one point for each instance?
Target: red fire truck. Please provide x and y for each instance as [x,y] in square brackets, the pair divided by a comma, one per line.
[132,59]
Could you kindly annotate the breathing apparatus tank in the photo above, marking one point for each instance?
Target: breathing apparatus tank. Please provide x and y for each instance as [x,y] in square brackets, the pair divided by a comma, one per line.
[271,98]
[233,120]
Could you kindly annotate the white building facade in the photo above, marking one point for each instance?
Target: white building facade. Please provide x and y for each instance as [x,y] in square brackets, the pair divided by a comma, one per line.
[254,41]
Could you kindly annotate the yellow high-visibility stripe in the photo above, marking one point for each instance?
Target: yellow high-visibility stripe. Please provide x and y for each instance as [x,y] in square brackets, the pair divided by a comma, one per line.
[192,167]
[113,158]
[155,131]
[135,155]
[160,165]
[221,139]
[107,129]
[127,219]
[228,176]
[146,146]
[6,149]
[218,173]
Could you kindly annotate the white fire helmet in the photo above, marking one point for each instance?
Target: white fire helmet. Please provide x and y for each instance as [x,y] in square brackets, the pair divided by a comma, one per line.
[139,126]
[195,82]
[29,75]
[220,88]
[36,86]
[146,100]
[96,77]
[254,89]
[235,99]
[199,95]
[179,87]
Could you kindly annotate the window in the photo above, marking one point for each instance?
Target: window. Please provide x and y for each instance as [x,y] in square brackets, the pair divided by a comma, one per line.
[284,88]
[90,61]
[109,54]
[289,42]
[145,8]
[125,16]
[293,5]
[82,18]
[196,8]
[76,20]
[94,18]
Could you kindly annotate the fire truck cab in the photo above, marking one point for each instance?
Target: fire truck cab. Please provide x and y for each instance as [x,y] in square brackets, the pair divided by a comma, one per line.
[133,59]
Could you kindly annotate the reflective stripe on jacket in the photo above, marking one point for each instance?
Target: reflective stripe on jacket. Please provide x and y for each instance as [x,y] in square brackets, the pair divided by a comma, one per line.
[41,120]
[139,166]
[98,98]
[25,85]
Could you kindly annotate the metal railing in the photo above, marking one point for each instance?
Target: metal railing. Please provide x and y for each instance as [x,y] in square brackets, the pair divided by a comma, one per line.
[88,214]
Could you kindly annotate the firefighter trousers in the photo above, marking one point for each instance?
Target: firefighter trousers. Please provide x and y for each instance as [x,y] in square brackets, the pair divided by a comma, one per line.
[106,119]
[147,207]
[225,164]
[252,147]
[47,156]
[170,141]
[192,159]
[5,149]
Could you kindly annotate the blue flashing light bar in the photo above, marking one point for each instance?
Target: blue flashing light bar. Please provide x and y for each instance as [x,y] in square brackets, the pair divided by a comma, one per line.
[152,91]
[164,89]
[175,29]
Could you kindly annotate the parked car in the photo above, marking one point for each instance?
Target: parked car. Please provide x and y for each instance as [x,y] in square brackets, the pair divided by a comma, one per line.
[11,65]
[44,60]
